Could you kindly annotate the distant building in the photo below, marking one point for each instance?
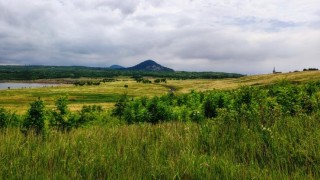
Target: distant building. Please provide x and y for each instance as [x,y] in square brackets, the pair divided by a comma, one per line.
[275,72]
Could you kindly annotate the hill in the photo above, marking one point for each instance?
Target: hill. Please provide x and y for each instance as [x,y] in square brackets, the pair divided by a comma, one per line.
[150,65]
[116,67]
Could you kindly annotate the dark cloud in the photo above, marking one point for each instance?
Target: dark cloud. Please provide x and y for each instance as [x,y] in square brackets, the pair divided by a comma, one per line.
[235,36]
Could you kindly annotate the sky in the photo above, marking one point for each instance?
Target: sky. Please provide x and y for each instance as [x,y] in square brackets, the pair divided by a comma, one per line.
[242,36]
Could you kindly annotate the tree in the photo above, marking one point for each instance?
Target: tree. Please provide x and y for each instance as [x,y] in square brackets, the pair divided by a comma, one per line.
[120,106]
[61,118]
[35,119]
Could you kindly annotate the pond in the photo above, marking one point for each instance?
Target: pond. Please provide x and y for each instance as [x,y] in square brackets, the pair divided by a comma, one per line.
[23,85]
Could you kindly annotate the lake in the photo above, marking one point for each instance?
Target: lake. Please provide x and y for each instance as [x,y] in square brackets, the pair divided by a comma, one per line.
[23,85]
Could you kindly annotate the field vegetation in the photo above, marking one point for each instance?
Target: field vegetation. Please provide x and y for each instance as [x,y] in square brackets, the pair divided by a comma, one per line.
[255,127]
[107,93]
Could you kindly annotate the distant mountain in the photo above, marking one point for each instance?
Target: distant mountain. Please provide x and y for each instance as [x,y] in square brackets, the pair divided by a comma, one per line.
[117,67]
[150,65]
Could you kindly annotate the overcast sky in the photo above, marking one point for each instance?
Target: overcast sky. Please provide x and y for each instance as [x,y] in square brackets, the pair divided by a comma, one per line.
[243,36]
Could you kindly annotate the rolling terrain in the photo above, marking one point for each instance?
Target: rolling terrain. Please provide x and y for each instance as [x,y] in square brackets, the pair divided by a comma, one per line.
[108,93]
[254,127]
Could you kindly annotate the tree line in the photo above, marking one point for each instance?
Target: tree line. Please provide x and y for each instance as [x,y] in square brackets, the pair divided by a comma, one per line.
[51,72]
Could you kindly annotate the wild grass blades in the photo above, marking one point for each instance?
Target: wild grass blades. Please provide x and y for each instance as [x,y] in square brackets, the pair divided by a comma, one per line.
[288,149]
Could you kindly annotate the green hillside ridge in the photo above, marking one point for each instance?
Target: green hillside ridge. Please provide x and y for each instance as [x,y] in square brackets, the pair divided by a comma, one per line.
[150,65]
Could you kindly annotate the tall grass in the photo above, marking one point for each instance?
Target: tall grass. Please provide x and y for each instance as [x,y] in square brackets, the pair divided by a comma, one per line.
[215,149]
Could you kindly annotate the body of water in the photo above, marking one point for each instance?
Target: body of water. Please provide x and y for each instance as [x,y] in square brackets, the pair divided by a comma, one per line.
[23,85]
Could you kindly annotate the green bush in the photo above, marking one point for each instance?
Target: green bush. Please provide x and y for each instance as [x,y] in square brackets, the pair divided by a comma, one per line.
[62,119]
[159,111]
[120,106]
[212,103]
[4,116]
[89,114]
[8,119]
[36,117]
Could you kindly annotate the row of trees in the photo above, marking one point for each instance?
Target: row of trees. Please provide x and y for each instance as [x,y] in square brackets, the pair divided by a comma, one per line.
[147,81]
[144,81]
[50,72]
[311,69]
[162,80]
[88,83]
[94,83]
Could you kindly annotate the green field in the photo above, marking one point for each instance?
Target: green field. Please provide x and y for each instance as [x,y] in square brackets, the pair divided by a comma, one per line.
[108,93]
[105,94]
[254,127]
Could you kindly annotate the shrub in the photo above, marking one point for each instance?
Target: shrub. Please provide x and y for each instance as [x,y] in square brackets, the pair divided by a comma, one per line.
[79,83]
[61,117]
[211,104]
[89,114]
[120,106]
[197,116]
[3,118]
[136,112]
[158,110]
[8,119]
[36,117]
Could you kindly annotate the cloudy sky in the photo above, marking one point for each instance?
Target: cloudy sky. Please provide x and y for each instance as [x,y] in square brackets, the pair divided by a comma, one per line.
[244,36]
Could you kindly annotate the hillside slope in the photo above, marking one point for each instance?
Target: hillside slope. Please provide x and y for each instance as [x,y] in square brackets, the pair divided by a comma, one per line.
[150,65]
[183,86]
[116,67]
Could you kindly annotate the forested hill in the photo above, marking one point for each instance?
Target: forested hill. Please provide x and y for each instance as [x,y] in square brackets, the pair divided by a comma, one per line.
[50,72]
[150,65]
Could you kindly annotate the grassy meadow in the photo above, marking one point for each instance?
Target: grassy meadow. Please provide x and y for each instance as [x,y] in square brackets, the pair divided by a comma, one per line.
[254,127]
[166,151]
[107,94]
[185,86]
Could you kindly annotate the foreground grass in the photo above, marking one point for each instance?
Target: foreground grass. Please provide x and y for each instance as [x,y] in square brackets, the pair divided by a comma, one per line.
[217,149]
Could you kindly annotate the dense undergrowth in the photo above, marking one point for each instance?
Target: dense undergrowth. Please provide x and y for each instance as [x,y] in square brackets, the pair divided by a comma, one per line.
[252,104]
[252,132]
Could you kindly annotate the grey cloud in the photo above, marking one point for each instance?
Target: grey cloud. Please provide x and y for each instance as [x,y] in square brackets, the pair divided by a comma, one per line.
[239,36]
[126,7]
[263,24]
